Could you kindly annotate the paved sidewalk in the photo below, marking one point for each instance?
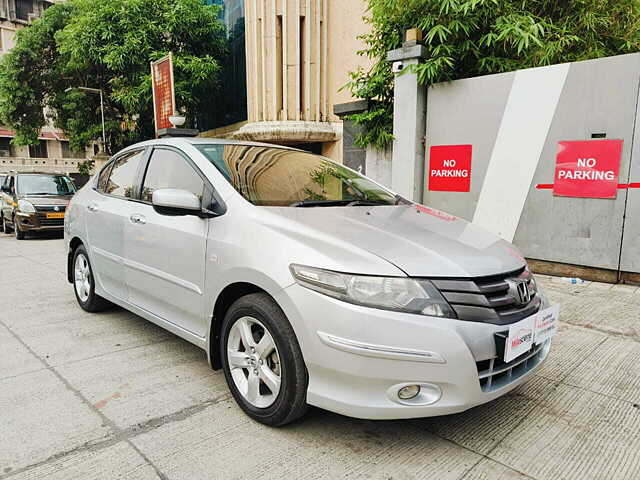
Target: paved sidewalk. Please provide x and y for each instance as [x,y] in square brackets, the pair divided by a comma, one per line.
[112,396]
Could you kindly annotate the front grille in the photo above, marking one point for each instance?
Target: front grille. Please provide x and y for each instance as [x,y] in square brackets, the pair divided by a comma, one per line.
[487,299]
[496,373]
[50,208]
[50,222]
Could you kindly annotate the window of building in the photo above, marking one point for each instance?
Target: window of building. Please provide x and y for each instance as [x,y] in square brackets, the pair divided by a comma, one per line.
[39,150]
[67,152]
[23,9]
[169,169]
[5,147]
[123,175]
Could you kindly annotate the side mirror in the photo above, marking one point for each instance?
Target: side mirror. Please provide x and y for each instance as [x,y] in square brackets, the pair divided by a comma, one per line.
[172,201]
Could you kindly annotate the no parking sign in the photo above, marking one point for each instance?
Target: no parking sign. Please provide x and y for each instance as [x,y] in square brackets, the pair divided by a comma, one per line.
[588,169]
[450,168]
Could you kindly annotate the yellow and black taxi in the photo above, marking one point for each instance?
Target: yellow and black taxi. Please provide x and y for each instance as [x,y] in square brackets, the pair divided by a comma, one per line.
[34,202]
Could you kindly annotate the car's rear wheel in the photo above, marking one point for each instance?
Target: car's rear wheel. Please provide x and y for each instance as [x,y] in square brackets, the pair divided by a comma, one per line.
[262,361]
[84,283]
[2,228]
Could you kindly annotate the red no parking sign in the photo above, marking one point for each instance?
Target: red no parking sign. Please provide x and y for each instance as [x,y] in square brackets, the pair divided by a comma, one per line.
[588,169]
[450,168]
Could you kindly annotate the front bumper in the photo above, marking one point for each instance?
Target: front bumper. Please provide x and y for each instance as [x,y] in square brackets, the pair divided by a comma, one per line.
[37,222]
[359,357]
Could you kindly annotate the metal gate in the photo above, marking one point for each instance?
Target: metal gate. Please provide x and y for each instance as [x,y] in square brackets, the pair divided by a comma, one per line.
[514,122]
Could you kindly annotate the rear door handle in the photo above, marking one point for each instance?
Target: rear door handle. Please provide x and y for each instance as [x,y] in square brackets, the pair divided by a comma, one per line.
[137,218]
[92,207]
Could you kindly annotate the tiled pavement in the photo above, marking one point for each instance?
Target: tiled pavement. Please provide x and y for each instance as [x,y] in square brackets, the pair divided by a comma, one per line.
[112,396]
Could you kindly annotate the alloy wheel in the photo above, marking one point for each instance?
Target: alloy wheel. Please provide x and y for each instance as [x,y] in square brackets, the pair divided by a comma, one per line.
[82,276]
[254,362]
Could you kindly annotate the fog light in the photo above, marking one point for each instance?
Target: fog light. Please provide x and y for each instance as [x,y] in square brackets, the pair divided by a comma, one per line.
[408,392]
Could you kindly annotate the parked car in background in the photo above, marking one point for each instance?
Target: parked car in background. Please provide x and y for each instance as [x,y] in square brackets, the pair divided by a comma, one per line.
[34,202]
[306,282]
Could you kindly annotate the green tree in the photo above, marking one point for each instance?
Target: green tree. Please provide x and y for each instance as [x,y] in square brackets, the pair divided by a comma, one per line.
[108,44]
[466,38]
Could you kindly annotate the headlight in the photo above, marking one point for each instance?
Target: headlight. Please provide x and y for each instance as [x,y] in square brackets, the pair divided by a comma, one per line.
[399,294]
[26,207]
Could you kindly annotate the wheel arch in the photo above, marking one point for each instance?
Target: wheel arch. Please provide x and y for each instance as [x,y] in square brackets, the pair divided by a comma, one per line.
[225,299]
[73,245]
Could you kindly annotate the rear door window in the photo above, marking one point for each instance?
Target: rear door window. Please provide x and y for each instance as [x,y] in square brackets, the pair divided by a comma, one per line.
[122,178]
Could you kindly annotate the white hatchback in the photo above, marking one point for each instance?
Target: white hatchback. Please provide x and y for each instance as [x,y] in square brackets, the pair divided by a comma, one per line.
[306,282]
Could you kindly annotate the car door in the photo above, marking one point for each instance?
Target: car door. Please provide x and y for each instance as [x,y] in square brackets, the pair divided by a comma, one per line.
[165,254]
[108,206]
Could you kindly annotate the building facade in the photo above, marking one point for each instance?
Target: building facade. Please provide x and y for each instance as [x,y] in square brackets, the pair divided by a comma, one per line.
[52,152]
[298,57]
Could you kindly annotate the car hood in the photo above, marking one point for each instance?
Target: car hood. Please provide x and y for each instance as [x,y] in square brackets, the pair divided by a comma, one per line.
[47,199]
[419,240]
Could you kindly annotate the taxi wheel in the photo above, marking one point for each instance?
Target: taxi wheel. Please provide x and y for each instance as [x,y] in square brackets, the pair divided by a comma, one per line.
[16,229]
[262,361]
[5,226]
[2,227]
[84,284]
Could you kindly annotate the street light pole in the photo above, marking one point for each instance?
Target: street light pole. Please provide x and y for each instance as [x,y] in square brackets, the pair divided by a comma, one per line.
[98,91]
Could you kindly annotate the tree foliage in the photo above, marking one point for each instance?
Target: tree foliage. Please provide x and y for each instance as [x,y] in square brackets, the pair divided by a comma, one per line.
[108,44]
[466,38]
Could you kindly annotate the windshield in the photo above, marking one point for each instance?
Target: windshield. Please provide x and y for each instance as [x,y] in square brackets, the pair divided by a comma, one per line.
[270,176]
[45,185]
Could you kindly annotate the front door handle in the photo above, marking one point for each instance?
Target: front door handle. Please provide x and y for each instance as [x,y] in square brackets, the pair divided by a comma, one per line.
[92,207]
[137,218]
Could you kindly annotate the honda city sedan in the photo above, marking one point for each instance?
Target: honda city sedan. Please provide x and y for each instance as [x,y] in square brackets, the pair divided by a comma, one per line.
[306,282]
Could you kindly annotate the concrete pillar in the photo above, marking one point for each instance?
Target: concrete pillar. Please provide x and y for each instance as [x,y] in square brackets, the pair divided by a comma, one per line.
[353,156]
[409,123]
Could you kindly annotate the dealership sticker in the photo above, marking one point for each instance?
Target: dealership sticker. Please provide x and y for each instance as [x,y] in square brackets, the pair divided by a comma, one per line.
[546,324]
[588,169]
[520,338]
[450,168]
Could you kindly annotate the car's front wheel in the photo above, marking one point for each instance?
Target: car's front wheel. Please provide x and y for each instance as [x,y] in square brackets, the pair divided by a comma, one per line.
[5,225]
[20,235]
[84,283]
[262,361]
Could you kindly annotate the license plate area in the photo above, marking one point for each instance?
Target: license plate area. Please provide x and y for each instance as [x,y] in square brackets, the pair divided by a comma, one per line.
[523,335]
[55,215]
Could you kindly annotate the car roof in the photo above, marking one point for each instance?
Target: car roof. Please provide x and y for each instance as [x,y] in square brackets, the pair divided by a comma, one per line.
[178,141]
[41,173]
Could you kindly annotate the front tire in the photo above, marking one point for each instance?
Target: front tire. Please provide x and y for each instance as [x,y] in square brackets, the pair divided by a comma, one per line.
[262,361]
[2,228]
[20,235]
[5,226]
[84,284]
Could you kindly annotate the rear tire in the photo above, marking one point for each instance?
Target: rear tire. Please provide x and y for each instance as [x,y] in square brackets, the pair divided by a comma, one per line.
[251,323]
[2,229]
[84,283]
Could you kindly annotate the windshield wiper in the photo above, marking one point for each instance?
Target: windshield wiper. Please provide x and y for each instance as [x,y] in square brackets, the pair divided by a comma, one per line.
[367,203]
[319,203]
[338,203]
[41,193]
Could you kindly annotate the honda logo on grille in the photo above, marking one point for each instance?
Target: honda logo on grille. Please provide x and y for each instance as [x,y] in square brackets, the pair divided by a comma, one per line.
[519,290]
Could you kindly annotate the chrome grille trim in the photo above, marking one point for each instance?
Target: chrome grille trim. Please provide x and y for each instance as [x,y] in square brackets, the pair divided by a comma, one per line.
[487,299]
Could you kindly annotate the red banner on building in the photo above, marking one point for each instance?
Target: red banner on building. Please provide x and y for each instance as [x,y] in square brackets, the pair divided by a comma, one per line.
[164,101]
[450,168]
[588,169]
